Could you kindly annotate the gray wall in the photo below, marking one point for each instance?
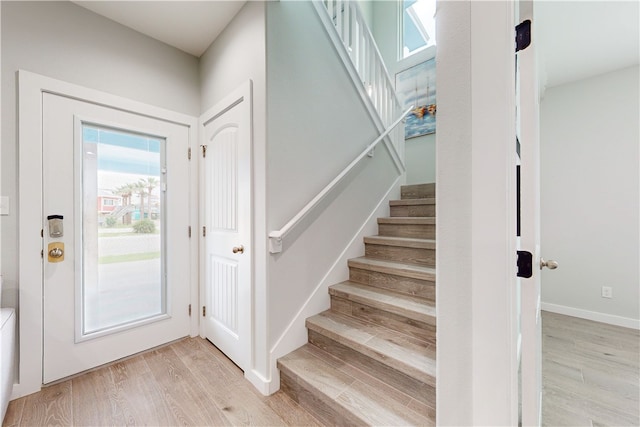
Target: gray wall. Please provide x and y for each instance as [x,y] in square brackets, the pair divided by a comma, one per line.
[590,193]
[420,153]
[66,42]
[237,55]
[317,126]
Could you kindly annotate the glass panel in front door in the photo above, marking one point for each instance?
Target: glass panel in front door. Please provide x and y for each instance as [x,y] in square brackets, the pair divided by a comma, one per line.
[123,257]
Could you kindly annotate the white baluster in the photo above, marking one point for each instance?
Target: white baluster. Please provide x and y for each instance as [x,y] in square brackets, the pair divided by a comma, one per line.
[346,19]
[339,19]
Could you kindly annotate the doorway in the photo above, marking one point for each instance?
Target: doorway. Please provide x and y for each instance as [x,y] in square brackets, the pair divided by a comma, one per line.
[106,272]
[227,217]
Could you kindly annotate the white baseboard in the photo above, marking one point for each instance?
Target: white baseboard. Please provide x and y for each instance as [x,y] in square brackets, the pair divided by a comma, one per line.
[21,390]
[611,319]
[295,335]
[263,385]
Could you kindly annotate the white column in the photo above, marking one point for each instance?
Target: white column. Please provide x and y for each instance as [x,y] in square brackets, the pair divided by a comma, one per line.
[475,144]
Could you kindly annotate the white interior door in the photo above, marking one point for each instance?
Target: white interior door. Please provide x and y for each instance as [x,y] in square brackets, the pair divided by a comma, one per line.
[530,321]
[226,151]
[116,276]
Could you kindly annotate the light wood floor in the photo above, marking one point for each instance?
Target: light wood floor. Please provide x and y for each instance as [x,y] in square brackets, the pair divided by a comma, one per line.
[187,383]
[591,377]
[590,373]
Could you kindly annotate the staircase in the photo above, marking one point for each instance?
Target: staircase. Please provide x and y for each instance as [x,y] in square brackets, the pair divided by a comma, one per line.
[121,211]
[371,358]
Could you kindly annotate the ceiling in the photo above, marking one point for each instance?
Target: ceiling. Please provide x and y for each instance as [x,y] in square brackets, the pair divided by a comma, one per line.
[578,39]
[190,26]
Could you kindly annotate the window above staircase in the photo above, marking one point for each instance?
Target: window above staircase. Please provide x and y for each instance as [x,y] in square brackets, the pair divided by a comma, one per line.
[418,29]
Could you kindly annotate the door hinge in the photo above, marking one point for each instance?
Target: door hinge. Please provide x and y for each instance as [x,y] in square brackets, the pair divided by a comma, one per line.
[204,150]
[204,231]
[189,153]
[189,231]
[42,232]
[204,311]
[523,35]
[189,310]
[42,253]
[525,264]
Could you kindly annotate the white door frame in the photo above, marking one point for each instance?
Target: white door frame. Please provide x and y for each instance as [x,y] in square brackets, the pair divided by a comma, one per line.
[476,209]
[30,264]
[531,322]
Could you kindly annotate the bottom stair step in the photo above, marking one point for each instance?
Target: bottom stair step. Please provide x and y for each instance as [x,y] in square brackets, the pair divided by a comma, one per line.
[339,395]
[374,344]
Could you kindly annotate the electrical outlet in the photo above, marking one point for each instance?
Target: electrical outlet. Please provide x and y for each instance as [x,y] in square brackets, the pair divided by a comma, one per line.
[607,292]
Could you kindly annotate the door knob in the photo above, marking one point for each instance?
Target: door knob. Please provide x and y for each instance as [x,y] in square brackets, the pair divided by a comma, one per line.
[55,253]
[550,264]
[238,249]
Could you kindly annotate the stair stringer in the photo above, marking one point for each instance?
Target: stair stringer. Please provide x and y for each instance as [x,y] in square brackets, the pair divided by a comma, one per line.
[295,335]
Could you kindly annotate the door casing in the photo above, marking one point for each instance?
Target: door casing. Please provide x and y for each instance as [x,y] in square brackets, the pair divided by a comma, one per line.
[30,264]
[530,324]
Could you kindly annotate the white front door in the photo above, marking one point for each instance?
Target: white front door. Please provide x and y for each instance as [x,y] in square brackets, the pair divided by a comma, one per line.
[226,171]
[116,249]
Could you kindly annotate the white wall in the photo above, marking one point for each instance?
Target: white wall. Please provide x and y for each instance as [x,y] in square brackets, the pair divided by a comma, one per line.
[590,195]
[317,126]
[67,42]
[420,159]
[420,153]
[475,295]
[366,7]
[237,55]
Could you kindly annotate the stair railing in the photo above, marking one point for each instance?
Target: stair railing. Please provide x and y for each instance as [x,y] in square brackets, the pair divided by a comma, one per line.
[355,45]
[276,237]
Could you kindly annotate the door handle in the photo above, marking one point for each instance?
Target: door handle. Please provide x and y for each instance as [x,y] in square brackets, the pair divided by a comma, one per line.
[550,264]
[56,252]
[238,249]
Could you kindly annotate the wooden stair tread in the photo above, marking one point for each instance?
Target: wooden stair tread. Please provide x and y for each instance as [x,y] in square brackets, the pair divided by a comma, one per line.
[358,402]
[413,202]
[406,354]
[411,307]
[371,358]
[400,220]
[418,191]
[407,242]
[395,268]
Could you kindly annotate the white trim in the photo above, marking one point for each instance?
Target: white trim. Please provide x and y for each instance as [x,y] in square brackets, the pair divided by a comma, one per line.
[262,384]
[31,86]
[596,316]
[295,334]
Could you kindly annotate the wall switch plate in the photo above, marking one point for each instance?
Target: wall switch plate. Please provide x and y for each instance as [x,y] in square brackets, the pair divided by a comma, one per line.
[4,205]
[607,292]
